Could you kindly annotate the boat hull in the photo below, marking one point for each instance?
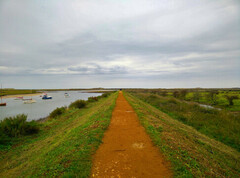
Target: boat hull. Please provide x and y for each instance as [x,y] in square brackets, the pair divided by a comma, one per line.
[46,98]
[3,104]
[29,101]
[19,98]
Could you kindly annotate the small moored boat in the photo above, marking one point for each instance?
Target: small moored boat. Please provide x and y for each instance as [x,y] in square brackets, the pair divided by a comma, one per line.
[29,101]
[66,95]
[19,98]
[46,97]
[2,104]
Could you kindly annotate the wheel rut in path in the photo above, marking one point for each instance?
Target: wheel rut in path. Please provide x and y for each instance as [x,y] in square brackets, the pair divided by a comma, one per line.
[127,151]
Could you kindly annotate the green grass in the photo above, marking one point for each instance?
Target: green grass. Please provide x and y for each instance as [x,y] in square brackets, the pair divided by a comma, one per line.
[191,153]
[57,112]
[16,92]
[218,124]
[78,104]
[221,100]
[64,146]
[13,127]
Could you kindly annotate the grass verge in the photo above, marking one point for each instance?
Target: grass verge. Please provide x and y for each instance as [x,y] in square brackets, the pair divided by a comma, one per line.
[64,146]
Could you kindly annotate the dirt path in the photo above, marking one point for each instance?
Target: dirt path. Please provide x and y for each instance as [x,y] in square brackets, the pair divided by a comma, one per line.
[127,150]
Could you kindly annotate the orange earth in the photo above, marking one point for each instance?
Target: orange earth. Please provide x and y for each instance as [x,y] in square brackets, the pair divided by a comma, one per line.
[127,151]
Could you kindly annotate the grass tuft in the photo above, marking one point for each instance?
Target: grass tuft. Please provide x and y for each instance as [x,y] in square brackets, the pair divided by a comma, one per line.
[78,104]
[93,99]
[12,127]
[57,112]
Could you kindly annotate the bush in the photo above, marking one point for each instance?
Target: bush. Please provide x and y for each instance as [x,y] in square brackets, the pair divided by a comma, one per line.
[18,125]
[92,99]
[78,104]
[176,94]
[172,100]
[105,95]
[57,112]
[4,139]
[183,93]
[231,98]
[163,93]
[31,128]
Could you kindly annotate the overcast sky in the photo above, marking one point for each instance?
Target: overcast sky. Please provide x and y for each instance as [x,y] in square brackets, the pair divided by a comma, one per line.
[127,43]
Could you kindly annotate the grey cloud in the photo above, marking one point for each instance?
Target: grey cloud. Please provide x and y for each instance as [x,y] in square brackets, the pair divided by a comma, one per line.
[158,41]
[94,69]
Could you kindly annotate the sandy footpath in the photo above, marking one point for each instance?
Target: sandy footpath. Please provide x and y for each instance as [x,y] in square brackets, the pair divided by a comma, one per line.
[127,151]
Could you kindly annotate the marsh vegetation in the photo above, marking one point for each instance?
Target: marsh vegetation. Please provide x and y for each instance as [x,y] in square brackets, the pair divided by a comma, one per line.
[222,125]
[199,142]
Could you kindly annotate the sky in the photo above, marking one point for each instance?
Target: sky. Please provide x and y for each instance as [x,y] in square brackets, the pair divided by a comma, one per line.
[119,44]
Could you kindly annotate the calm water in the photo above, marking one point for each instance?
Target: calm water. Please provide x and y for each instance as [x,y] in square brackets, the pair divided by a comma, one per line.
[208,106]
[41,108]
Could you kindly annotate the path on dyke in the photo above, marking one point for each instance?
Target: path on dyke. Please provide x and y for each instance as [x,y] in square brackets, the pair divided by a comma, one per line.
[127,150]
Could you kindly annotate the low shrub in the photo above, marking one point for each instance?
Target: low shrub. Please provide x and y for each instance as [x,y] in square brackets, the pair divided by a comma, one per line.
[4,139]
[57,112]
[105,95]
[78,104]
[92,99]
[172,100]
[182,118]
[31,128]
[18,125]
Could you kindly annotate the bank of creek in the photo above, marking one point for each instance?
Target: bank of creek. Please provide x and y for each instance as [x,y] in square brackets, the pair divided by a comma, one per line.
[41,108]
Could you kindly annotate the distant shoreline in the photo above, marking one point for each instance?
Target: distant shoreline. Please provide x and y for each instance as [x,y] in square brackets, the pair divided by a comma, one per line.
[97,91]
[20,95]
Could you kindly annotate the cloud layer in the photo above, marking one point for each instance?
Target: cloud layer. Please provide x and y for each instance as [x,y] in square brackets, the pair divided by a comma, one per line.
[147,43]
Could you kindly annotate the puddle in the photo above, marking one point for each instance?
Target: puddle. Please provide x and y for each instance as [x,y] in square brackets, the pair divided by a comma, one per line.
[208,106]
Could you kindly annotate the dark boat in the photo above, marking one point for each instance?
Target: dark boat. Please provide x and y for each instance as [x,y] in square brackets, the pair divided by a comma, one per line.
[46,97]
[2,104]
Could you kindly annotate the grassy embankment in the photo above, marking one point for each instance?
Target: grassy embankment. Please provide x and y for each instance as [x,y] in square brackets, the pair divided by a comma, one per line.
[190,152]
[65,144]
[218,124]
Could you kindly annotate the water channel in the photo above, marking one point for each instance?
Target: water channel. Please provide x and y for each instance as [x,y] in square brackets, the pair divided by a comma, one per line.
[41,108]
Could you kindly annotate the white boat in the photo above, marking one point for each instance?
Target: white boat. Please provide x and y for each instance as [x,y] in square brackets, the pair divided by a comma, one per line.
[19,98]
[29,101]
[66,95]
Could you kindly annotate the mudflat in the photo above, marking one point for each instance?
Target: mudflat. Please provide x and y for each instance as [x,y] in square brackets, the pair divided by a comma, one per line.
[127,150]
